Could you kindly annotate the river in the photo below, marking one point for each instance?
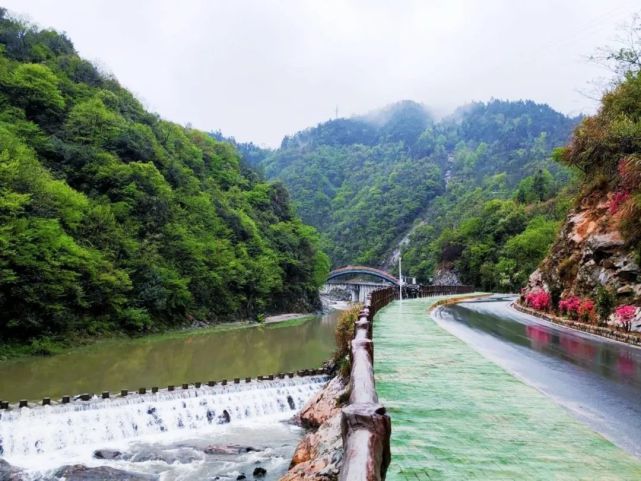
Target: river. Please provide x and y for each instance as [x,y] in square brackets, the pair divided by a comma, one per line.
[171,435]
[175,358]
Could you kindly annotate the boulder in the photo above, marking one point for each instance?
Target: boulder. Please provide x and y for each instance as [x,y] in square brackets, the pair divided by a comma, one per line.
[107,454]
[80,472]
[9,473]
[233,449]
[259,472]
[169,456]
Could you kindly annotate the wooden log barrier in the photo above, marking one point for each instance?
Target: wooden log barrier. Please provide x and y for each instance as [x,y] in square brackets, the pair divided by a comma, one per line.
[366,430]
[366,427]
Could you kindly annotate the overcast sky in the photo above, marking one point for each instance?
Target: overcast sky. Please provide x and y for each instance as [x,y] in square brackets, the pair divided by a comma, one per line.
[261,69]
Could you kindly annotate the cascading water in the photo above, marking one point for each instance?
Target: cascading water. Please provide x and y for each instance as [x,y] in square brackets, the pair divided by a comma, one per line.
[32,437]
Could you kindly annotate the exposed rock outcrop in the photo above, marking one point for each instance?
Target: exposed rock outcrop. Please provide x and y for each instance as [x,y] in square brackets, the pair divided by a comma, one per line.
[319,454]
[590,251]
[446,276]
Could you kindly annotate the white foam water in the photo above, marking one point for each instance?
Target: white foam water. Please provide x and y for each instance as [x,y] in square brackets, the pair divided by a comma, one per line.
[31,436]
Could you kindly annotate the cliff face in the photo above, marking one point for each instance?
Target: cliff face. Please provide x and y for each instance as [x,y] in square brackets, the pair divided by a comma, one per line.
[589,252]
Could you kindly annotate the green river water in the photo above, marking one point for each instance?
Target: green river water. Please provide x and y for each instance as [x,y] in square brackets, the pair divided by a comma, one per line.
[458,416]
[174,358]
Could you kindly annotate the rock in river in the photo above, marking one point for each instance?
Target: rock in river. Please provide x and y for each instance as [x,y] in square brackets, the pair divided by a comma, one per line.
[107,454]
[8,472]
[79,472]
[228,449]
[259,472]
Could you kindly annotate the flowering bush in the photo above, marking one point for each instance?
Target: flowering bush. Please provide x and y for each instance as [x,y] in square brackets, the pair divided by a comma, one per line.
[539,300]
[577,308]
[587,311]
[617,199]
[570,306]
[623,316]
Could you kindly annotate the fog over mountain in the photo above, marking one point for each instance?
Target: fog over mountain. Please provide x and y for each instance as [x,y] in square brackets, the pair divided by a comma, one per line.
[260,70]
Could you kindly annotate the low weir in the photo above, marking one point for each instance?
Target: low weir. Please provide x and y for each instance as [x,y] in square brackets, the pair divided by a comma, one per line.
[42,430]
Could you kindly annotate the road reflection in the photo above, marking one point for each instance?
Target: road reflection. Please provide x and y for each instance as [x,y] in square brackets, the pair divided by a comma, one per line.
[597,379]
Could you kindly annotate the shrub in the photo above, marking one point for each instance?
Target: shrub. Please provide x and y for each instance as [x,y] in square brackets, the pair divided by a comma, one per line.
[623,316]
[570,306]
[45,346]
[578,308]
[538,299]
[587,311]
[344,333]
[568,268]
[605,301]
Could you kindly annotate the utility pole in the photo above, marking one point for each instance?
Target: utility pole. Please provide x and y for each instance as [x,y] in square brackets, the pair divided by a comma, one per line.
[400,279]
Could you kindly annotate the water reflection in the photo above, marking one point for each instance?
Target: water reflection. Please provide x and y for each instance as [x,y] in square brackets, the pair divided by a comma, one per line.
[159,361]
[613,360]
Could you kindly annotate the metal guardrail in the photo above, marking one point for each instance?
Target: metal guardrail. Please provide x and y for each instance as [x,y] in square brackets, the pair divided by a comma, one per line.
[366,426]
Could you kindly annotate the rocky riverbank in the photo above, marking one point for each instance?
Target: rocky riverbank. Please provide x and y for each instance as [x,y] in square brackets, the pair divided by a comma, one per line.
[319,454]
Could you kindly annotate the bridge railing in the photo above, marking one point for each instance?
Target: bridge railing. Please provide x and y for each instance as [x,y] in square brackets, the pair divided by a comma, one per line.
[366,426]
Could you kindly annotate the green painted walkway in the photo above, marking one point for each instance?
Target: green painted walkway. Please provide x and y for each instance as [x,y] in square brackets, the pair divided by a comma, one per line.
[458,416]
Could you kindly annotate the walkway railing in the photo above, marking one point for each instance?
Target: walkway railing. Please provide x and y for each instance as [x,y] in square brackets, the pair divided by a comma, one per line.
[366,427]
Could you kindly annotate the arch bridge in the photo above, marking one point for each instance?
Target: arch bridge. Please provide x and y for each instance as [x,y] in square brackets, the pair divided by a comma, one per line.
[357,289]
[362,270]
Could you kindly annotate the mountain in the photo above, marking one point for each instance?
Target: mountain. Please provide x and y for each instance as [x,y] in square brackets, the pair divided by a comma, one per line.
[597,254]
[397,175]
[112,218]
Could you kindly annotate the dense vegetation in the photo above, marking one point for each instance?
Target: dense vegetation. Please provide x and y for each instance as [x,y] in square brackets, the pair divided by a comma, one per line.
[476,191]
[114,219]
[606,147]
[601,284]
[491,241]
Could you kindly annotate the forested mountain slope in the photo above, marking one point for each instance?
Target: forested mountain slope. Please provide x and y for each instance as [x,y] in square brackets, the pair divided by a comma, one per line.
[366,182]
[597,255]
[114,219]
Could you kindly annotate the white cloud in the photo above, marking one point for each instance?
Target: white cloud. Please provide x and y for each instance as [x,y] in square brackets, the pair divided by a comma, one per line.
[260,69]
